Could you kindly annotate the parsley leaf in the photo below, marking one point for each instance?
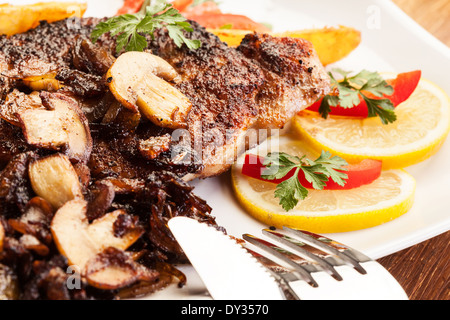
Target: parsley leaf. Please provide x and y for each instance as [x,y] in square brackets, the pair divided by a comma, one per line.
[351,90]
[318,173]
[129,28]
[381,108]
[332,167]
[327,102]
[290,192]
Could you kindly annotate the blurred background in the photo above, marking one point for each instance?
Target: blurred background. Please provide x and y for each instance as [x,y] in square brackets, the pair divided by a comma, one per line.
[433,15]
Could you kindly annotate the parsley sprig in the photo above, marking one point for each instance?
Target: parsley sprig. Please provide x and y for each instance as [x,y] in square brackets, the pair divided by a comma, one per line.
[351,88]
[317,172]
[129,28]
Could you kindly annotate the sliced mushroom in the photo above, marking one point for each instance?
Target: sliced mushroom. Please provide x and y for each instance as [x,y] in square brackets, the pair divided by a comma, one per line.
[80,241]
[84,174]
[16,101]
[119,115]
[14,183]
[63,127]
[30,242]
[45,82]
[34,67]
[102,196]
[103,231]
[138,80]
[114,269]
[154,146]
[9,284]
[91,58]
[125,186]
[54,179]
[35,220]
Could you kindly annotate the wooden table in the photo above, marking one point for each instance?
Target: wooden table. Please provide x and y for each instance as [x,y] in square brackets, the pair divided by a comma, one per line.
[424,270]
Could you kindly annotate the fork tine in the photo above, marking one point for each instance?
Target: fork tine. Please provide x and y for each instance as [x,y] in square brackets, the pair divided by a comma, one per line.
[304,249]
[347,254]
[304,271]
[280,274]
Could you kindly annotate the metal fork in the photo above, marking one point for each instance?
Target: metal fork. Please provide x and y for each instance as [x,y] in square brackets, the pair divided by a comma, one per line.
[310,266]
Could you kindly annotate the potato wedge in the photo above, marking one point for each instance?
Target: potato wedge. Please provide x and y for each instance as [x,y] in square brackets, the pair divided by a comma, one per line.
[20,18]
[331,44]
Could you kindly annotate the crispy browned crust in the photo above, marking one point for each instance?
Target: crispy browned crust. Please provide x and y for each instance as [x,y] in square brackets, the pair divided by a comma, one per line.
[260,85]
[295,78]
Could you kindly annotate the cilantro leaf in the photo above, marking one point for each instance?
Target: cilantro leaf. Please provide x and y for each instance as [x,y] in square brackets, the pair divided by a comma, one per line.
[129,28]
[318,173]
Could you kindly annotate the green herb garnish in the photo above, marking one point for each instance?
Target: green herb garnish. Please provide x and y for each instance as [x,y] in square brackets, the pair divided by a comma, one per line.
[351,89]
[317,172]
[129,28]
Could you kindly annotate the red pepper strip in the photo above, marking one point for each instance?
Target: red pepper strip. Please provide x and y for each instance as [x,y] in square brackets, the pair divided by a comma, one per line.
[360,174]
[404,86]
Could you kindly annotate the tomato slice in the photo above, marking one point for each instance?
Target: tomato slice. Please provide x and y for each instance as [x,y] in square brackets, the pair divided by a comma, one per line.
[404,86]
[208,7]
[134,6]
[219,20]
[130,6]
[181,5]
[359,174]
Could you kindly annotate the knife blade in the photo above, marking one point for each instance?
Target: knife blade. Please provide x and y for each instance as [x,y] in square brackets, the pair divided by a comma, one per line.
[228,271]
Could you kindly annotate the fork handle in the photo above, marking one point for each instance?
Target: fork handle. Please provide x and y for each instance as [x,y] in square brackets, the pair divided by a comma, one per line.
[377,284]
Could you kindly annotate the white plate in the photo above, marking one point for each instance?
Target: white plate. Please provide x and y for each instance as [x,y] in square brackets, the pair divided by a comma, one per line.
[391,42]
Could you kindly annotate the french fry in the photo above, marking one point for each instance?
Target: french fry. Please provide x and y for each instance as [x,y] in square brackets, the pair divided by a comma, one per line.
[331,44]
[17,19]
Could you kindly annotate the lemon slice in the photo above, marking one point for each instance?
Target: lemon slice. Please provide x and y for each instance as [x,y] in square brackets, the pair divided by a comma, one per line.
[422,127]
[326,211]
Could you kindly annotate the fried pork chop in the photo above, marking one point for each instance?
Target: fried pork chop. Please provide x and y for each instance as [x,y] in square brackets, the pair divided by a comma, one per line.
[260,85]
